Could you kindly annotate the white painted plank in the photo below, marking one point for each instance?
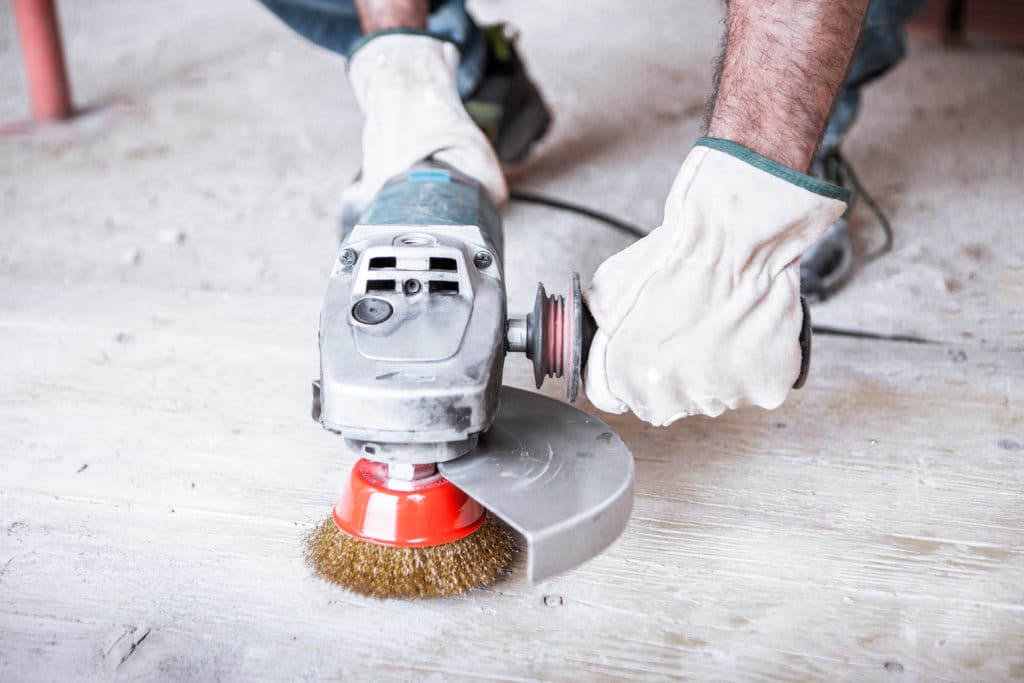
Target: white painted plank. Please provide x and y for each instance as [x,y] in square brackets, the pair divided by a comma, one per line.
[850,529]
[872,529]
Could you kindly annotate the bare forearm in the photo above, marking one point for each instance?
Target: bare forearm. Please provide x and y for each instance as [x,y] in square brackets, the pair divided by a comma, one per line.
[378,15]
[783,65]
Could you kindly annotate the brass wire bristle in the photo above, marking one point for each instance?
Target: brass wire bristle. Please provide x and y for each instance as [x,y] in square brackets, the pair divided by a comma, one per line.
[380,571]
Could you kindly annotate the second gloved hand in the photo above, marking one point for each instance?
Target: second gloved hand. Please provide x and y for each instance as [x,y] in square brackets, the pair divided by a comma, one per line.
[704,314]
[405,86]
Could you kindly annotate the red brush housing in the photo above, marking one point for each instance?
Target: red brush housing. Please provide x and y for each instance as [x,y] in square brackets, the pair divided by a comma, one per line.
[422,510]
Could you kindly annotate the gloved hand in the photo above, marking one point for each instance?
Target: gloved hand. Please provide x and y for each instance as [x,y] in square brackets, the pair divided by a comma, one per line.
[405,87]
[704,313]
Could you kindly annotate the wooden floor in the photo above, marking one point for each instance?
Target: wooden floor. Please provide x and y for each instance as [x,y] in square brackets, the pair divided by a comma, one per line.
[161,267]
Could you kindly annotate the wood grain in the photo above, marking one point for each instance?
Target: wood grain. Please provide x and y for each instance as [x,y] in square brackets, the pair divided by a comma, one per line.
[876,518]
[158,466]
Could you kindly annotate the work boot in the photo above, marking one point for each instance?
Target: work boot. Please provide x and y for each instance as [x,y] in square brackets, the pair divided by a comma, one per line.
[829,263]
[506,105]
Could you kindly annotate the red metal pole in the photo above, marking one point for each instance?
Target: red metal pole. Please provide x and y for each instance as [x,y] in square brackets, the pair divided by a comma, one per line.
[44,59]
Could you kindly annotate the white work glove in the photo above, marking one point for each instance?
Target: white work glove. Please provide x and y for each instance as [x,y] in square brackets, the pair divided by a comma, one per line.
[704,313]
[405,86]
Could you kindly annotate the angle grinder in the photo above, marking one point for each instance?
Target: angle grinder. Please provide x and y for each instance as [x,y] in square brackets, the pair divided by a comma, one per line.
[413,338]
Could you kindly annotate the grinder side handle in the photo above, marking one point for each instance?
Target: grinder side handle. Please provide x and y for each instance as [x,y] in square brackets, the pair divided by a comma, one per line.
[557,334]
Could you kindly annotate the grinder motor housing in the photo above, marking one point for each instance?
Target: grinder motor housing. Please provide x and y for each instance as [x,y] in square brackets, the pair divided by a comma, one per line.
[412,332]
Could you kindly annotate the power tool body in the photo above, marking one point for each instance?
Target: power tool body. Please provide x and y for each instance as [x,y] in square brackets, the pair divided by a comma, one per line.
[413,338]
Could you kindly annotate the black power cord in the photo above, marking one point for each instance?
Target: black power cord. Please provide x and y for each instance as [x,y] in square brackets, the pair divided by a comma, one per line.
[562,205]
[637,232]
[840,169]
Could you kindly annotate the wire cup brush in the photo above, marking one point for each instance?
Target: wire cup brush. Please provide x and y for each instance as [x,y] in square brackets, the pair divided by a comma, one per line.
[403,531]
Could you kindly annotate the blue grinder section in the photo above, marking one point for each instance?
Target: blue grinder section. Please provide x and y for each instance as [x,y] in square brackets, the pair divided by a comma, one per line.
[429,195]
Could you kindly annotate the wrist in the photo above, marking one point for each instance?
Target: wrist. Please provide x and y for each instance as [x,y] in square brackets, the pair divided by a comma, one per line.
[773,166]
[792,151]
[735,208]
[386,33]
[381,15]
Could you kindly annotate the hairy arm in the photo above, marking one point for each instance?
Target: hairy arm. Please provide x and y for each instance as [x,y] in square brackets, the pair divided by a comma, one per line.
[378,15]
[783,64]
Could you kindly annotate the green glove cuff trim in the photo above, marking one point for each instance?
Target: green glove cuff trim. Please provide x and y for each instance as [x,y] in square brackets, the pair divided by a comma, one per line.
[359,44]
[786,173]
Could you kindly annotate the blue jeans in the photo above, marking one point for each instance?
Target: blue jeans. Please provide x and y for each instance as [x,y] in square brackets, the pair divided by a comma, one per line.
[883,44]
[334,24]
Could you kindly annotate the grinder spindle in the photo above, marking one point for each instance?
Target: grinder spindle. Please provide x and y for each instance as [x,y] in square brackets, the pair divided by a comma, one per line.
[556,336]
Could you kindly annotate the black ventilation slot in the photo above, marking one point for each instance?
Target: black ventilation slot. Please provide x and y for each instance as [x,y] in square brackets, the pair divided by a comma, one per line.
[443,287]
[381,285]
[442,263]
[381,262]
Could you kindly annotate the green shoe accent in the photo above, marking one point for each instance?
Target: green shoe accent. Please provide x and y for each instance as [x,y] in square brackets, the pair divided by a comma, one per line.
[500,45]
[487,116]
[506,105]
